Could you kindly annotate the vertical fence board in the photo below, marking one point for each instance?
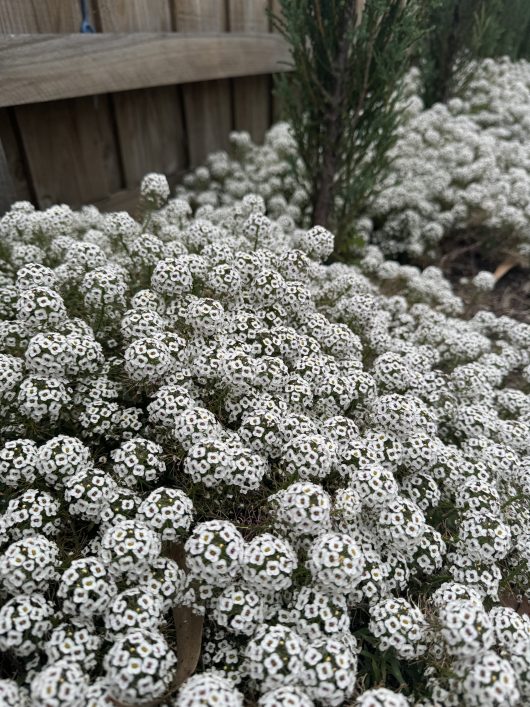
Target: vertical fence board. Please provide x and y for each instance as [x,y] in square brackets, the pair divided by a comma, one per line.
[70,150]
[276,111]
[97,148]
[14,162]
[134,15]
[40,16]
[149,122]
[69,145]
[251,93]
[200,15]
[7,187]
[20,16]
[150,132]
[207,104]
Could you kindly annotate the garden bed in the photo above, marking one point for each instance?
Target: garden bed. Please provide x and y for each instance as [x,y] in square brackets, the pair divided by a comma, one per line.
[462,260]
[321,469]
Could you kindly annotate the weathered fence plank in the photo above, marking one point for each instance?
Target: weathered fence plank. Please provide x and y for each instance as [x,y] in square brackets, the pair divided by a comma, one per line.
[70,149]
[35,68]
[8,192]
[133,15]
[14,159]
[148,121]
[277,110]
[84,116]
[252,105]
[21,16]
[207,105]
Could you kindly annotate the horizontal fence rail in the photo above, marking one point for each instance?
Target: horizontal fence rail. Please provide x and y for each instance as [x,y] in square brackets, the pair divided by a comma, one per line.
[157,87]
[46,67]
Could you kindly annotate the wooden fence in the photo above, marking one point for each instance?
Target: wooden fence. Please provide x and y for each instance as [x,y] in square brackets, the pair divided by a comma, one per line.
[158,86]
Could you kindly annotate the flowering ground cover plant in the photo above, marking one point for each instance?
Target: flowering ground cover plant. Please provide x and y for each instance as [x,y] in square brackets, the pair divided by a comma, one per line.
[460,167]
[346,473]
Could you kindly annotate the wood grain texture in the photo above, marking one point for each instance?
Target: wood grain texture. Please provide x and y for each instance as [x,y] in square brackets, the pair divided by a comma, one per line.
[208,105]
[148,121]
[35,68]
[150,132]
[134,15]
[252,105]
[200,15]
[7,187]
[188,626]
[14,157]
[70,151]
[69,148]
[21,16]
[248,15]
[277,108]
[97,149]
[252,99]
[208,118]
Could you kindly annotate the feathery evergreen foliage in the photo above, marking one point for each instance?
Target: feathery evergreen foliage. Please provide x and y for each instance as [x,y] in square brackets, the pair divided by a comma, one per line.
[461,31]
[342,99]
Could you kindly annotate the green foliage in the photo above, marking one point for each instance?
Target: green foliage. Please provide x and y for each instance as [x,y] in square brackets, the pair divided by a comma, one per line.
[454,38]
[342,98]
[376,667]
[514,20]
[461,31]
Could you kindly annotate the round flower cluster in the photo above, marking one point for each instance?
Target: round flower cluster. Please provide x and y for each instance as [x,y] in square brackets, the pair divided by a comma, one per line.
[86,493]
[239,610]
[168,512]
[329,671]
[308,456]
[165,580]
[215,462]
[213,552]
[465,628]
[133,609]
[86,587]
[12,695]
[138,666]
[274,657]
[137,460]
[25,621]
[268,563]
[61,684]
[490,680]
[129,547]
[303,507]
[209,689]
[60,458]
[399,625]
[32,512]
[18,460]
[29,565]
[75,644]
[314,614]
[336,562]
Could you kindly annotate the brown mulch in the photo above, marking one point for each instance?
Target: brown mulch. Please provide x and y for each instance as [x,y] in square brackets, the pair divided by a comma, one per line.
[511,295]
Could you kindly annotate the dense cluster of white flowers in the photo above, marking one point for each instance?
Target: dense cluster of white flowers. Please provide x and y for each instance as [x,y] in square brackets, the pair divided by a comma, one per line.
[343,475]
[460,166]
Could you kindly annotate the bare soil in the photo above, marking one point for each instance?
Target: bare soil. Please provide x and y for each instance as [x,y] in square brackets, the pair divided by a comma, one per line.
[462,258]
